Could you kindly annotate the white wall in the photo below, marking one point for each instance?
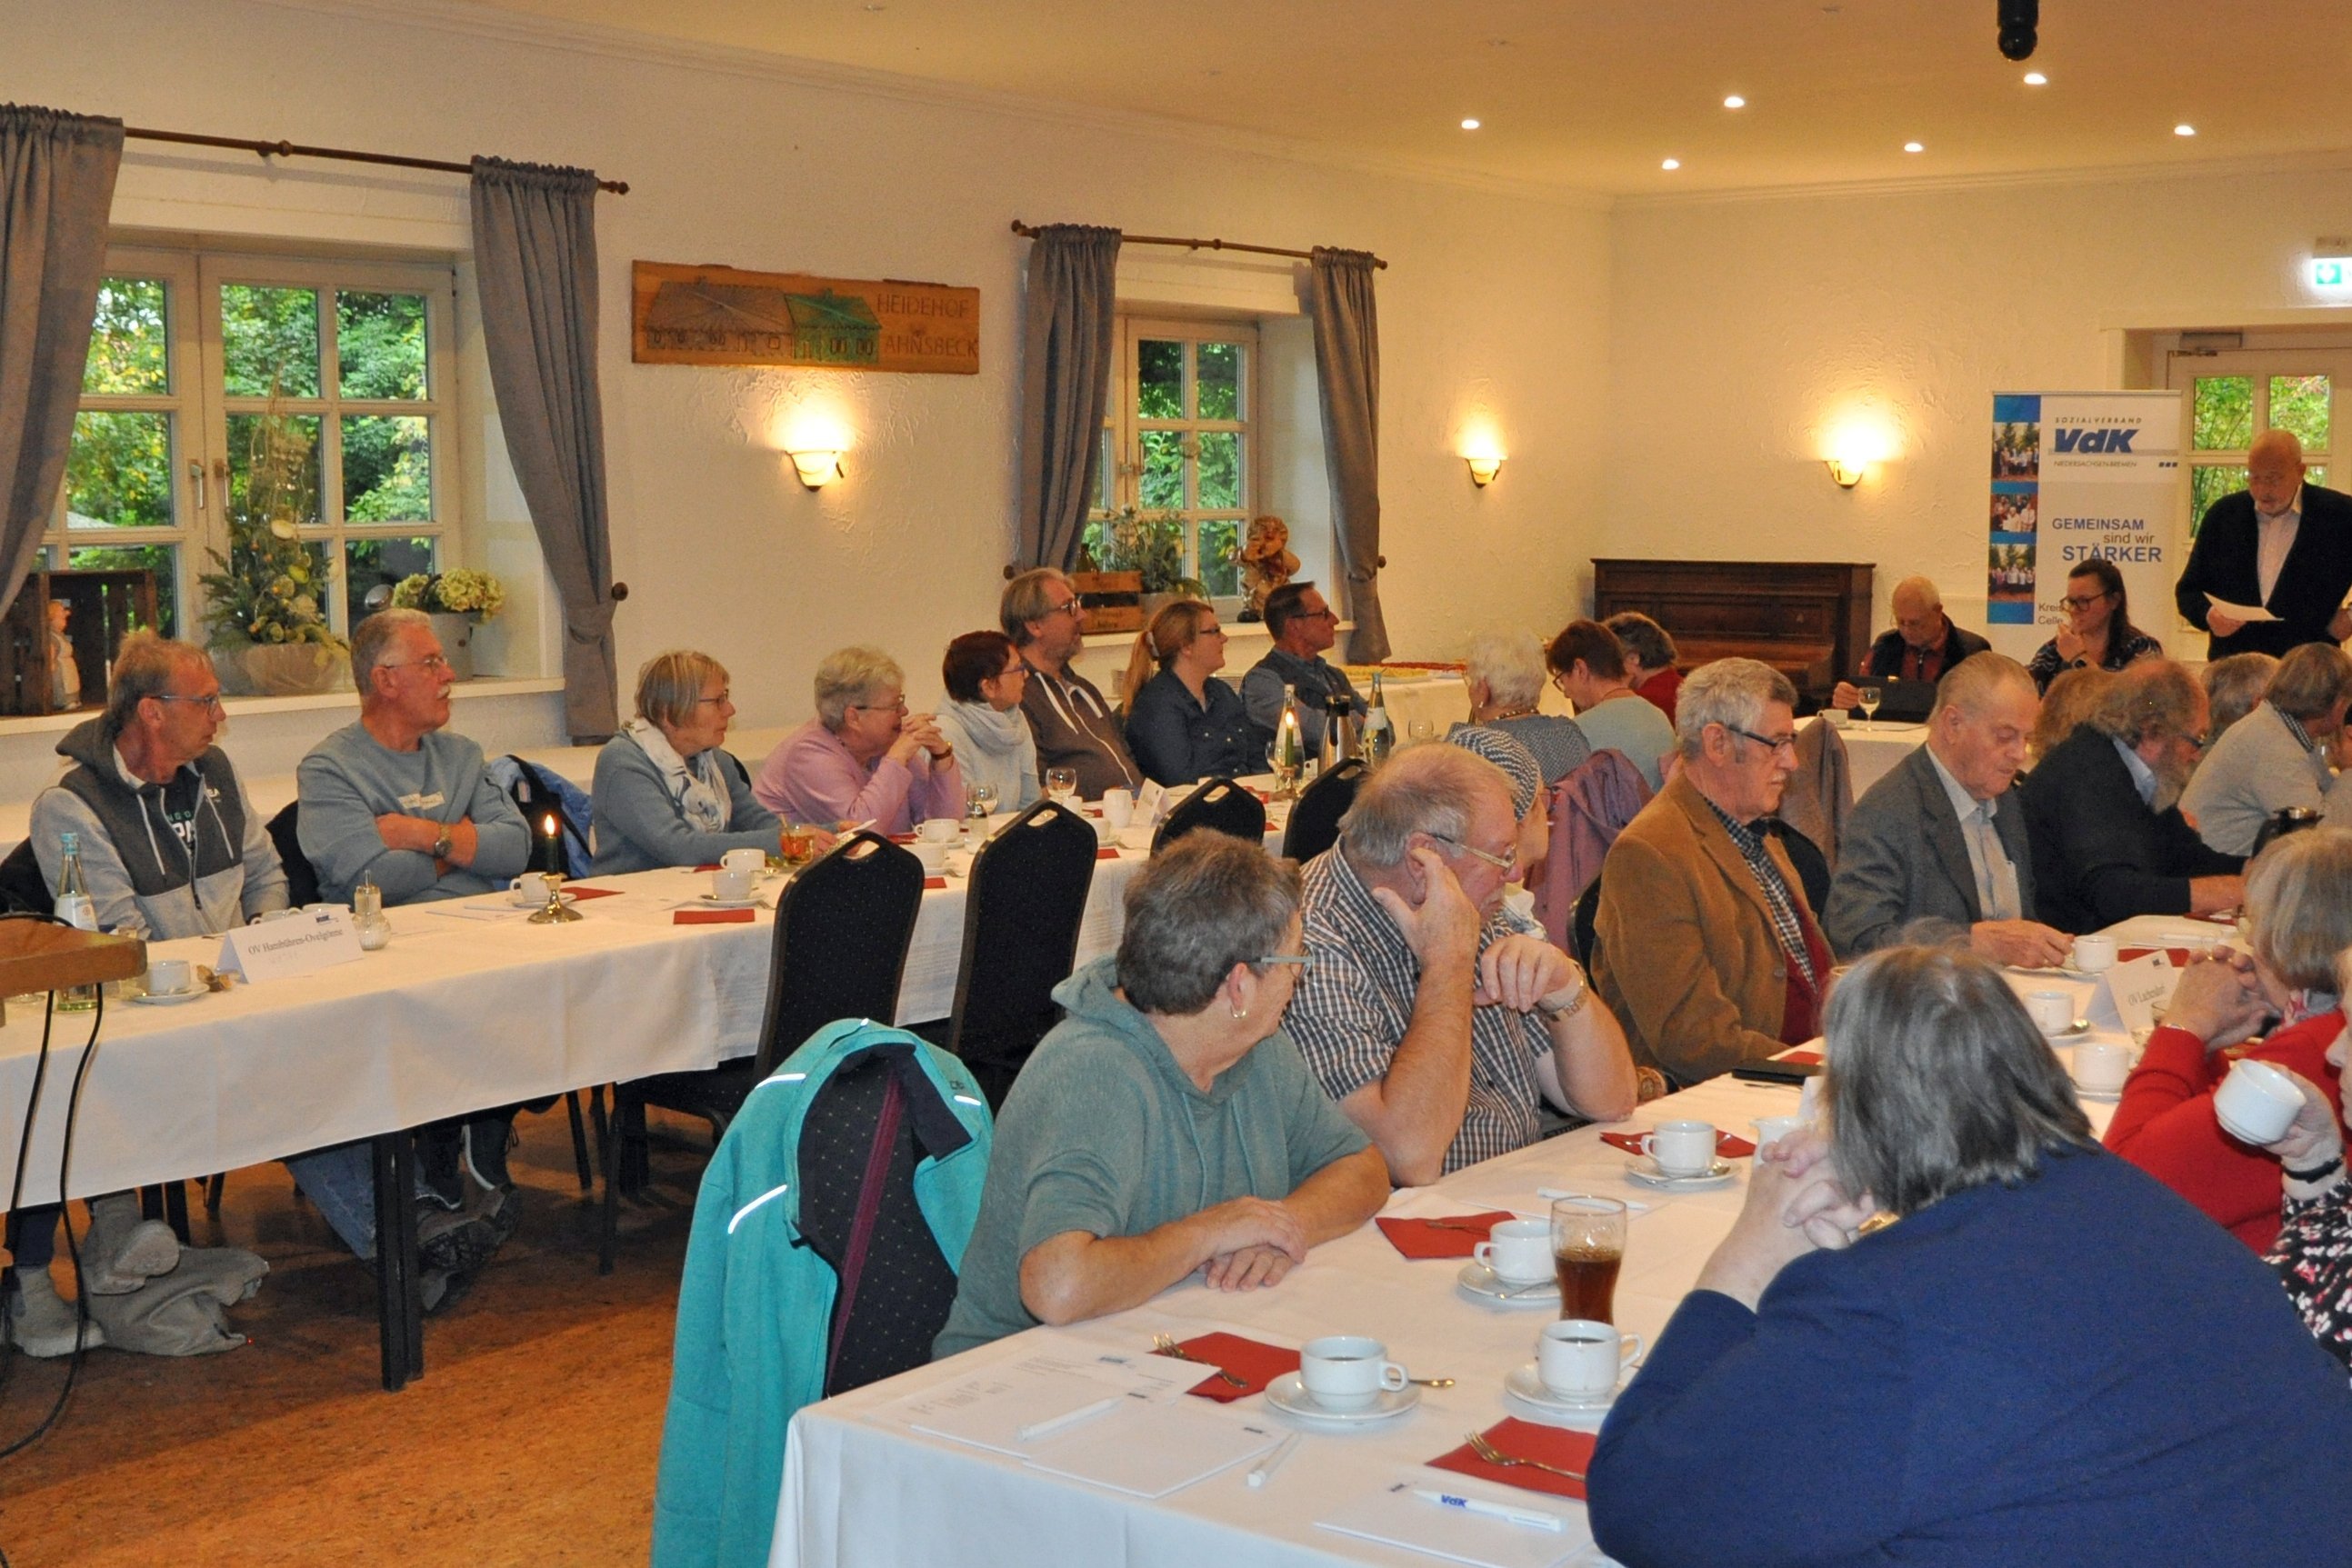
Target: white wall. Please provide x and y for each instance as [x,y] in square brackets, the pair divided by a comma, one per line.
[1745,333]
[1495,304]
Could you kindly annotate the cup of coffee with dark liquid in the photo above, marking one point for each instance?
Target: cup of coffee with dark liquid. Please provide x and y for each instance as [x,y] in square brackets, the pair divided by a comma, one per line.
[1588,1248]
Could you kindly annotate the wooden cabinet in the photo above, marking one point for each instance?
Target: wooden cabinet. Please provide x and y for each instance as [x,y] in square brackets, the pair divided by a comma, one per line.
[1809,620]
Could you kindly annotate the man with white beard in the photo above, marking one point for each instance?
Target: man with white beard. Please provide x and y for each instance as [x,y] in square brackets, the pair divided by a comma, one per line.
[2103,810]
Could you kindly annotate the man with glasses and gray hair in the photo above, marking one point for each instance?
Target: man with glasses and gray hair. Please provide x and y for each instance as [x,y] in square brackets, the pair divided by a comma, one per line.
[1303,626]
[1073,725]
[1431,1013]
[1703,940]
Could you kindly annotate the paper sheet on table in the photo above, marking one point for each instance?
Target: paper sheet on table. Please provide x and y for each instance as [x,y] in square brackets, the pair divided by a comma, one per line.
[469,910]
[1149,1449]
[1391,1514]
[989,1408]
[2238,611]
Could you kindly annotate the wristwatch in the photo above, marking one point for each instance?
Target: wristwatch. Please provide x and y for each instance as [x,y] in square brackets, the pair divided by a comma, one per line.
[442,843]
[1569,1000]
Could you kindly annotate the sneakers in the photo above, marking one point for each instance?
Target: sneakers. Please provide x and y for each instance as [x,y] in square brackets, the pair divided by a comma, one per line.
[487,1141]
[454,1241]
[440,1166]
[40,1323]
[445,1288]
[123,1251]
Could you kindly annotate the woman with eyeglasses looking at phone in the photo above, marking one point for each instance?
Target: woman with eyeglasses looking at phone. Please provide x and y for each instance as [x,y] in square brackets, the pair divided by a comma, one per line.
[2097,634]
[864,757]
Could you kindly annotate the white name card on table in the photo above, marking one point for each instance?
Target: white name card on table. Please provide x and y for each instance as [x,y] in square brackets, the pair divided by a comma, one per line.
[2133,991]
[302,942]
[1150,803]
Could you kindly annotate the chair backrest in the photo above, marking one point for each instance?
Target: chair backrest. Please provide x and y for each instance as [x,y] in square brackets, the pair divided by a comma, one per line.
[1314,824]
[1812,866]
[22,887]
[301,877]
[1027,899]
[842,929]
[1219,804]
[1589,807]
[1582,938]
[535,791]
[1819,794]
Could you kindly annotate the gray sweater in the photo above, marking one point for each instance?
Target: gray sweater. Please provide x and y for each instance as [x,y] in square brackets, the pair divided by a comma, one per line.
[639,827]
[2255,770]
[351,778]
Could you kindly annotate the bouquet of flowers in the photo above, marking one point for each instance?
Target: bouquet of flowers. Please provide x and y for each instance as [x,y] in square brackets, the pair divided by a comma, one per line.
[463,592]
[268,587]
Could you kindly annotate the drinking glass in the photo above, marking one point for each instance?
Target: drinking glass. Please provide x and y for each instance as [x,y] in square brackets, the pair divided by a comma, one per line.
[1588,1248]
[1284,764]
[979,801]
[1421,730]
[797,841]
[1062,784]
[1870,695]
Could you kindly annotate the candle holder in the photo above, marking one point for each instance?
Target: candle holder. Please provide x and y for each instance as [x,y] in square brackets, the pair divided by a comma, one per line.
[556,913]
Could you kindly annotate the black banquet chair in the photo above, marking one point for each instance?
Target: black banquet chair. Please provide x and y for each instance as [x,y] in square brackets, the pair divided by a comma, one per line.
[843,924]
[301,878]
[1027,899]
[1314,824]
[1219,805]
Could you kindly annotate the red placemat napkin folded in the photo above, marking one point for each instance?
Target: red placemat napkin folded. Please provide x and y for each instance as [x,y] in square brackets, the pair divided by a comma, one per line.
[1803,1058]
[711,866]
[1106,852]
[576,891]
[2180,955]
[902,838]
[935,883]
[1255,1363]
[1730,1145]
[1426,1239]
[711,916]
[1525,1440]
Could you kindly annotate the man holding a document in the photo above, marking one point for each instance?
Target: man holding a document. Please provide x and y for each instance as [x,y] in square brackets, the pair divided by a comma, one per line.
[2280,547]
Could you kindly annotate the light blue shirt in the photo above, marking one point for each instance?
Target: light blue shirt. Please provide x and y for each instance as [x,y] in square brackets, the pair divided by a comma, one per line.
[2143,776]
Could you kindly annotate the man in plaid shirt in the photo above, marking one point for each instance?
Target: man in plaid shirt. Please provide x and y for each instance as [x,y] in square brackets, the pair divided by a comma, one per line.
[1431,1012]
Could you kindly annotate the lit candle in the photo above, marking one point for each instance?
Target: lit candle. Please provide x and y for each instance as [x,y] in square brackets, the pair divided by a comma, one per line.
[550,855]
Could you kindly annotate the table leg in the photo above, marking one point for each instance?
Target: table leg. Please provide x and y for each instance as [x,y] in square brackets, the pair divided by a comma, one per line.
[400,1300]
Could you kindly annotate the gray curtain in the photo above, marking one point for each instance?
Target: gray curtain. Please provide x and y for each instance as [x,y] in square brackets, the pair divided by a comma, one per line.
[535,253]
[56,185]
[1347,365]
[1067,339]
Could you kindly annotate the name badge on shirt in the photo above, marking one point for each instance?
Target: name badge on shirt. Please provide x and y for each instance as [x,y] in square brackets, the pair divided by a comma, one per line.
[417,805]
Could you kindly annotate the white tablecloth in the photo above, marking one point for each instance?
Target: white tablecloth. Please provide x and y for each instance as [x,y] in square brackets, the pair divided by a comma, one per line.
[1870,754]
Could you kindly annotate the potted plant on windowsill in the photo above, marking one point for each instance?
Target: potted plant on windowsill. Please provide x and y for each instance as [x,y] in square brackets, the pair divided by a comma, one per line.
[457,602]
[1152,547]
[269,637]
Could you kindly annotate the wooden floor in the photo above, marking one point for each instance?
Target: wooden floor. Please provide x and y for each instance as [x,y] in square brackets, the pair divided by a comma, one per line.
[531,1437]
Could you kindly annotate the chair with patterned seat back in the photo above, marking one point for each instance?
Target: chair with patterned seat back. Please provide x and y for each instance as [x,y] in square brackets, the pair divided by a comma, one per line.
[301,878]
[1026,900]
[1219,804]
[843,926]
[1314,824]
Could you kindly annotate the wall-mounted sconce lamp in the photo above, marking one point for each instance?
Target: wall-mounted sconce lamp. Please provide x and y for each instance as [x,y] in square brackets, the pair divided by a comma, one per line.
[816,469]
[1483,466]
[1847,471]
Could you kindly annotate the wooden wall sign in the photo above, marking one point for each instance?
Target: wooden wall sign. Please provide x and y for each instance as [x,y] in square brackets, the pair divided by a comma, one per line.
[720,315]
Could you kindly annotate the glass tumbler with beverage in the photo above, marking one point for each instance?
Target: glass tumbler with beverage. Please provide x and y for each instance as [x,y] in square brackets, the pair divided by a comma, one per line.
[1588,1248]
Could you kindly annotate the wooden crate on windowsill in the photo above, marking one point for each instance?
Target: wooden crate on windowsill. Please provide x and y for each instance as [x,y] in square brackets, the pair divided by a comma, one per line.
[1112,600]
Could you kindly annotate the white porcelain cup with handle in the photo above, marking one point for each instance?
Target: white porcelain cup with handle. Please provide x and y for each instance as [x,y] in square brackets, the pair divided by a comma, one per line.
[939,830]
[170,976]
[1118,807]
[1348,1371]
[2256,1102]
[2052,1012]
[1518,1252]
[731,884]
[1680,1148]
[529,888]
[1770,1130]
[2101,1065]
[1580,1359]
[752,861]
[2094,953]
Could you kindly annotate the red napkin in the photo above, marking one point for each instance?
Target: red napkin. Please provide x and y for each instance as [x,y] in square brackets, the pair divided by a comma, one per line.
[935,883]
[1803,1058]
[2180,955]
[1525,1440]
[1730,1145]
[1106,854]
[711,916]
[576,891]
[713,865]
[1255,1363]
[1420,1239]
[902,838]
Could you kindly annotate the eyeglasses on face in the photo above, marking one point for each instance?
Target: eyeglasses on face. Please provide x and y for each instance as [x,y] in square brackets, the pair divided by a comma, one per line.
[897,706]
[430,662]
[1787,743]
[1506,862]
[1304,960]
[724,697]
[1066,607]
[211,700]
[2084,602]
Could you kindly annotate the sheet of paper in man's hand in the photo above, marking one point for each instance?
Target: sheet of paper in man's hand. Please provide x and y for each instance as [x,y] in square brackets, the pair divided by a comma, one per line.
[2238,611]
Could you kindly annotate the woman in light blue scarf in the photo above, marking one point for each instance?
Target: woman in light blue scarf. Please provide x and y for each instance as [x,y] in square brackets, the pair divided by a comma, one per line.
[985,678]
[667,790]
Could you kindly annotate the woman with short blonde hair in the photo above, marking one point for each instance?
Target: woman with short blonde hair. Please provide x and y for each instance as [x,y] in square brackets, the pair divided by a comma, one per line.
[667,790]
[1182,723]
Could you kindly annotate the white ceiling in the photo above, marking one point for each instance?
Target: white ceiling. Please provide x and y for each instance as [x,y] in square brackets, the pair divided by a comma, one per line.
[1593,94]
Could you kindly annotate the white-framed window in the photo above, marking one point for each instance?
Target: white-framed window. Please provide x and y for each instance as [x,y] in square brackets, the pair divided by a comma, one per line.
[203,363]
[2235,395]
[1182,438]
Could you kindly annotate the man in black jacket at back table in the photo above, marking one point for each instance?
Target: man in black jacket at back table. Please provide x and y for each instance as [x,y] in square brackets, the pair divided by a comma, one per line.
[1923,646]
[2278,543]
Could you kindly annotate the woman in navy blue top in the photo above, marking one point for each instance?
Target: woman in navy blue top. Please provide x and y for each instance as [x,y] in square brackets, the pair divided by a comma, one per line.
[2046,1357]
[1182,723]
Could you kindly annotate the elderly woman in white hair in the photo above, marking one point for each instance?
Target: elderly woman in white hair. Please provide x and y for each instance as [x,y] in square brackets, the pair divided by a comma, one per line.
[864,758]
[668,792]
[1505,671]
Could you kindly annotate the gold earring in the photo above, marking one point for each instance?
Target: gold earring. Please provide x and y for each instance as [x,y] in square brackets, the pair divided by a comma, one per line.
[1241,1012]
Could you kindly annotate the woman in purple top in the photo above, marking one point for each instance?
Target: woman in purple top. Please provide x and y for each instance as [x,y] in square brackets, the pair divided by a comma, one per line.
[863,757]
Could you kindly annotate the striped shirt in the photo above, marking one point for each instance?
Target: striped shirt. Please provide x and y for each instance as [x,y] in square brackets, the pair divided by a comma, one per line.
[1785,925]
[1353,1005]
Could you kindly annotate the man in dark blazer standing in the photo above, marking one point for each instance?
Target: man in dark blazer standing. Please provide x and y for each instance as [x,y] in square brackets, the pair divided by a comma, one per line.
[2278,543]
[1937,849]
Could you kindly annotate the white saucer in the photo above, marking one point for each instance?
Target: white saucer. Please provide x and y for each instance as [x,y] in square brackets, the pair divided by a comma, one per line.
[1483,1282]
[1289,1395]
[172,998]
[1525,1384]
[2078,1028]
[713,901]
[2099,1096]
[540,903]
[1643,1169]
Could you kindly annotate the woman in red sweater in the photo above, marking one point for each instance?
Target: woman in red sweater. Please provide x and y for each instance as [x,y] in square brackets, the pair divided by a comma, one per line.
[2299,908]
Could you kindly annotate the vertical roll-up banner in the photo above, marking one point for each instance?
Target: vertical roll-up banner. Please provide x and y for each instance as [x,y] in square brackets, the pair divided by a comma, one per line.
[2077,476]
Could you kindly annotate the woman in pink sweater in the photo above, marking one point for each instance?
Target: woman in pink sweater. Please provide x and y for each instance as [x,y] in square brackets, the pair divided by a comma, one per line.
[863,757]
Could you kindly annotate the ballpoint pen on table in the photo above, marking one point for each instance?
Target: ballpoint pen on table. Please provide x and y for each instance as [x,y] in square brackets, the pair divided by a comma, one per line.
[1533,1518]
[1053,1423]
[1273,1461]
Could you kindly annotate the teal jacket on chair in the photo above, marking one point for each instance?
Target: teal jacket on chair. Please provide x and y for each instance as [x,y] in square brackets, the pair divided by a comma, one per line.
[755,1303]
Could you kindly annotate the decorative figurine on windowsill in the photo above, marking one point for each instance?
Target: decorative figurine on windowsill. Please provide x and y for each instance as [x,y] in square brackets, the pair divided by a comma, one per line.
[65,670]
[1266,563]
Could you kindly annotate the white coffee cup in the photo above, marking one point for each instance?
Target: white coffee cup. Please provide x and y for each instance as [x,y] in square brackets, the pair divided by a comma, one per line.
[1770,1130]
[2093,954]
[1518,1252]
[939,830]
[529,888]
[932,853]
[1118,807]
[170,976]
[1580,1359]
[753,861]
[2256,1102]
[2052,1012]
[1348,1371]
[2101,1065]
[1682,1149]
[731,884]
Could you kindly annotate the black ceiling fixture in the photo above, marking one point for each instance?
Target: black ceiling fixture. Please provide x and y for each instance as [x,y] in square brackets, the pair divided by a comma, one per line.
[2019,21]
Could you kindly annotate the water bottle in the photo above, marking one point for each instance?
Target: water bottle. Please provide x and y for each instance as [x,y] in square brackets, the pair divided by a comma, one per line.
[73,905]
[1379,730]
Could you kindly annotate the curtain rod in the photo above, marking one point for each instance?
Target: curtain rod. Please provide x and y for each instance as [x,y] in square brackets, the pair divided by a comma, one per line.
[289,149]
[1025,232]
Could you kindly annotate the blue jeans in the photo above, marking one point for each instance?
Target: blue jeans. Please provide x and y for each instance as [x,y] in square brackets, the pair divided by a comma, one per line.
[339,1182]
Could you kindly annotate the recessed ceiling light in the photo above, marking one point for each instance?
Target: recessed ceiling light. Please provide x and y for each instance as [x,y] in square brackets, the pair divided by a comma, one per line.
[2184,129]
[1671,164]
[1735,101]
[2035,79]
[1914,147]
[1469,125]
